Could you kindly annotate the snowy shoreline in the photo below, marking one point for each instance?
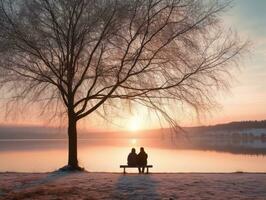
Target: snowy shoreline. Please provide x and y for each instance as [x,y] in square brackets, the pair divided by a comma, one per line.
[86,185]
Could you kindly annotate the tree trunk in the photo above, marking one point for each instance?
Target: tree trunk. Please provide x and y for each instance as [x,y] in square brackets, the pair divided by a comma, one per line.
[72,143]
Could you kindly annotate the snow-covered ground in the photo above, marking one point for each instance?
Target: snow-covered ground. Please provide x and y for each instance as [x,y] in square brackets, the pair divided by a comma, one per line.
[84,185]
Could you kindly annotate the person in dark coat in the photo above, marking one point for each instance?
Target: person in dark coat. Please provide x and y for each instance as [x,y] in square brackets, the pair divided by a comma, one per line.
[132,158]
[142,160]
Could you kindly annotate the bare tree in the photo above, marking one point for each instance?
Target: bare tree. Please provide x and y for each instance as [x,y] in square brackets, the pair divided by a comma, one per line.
[89,54]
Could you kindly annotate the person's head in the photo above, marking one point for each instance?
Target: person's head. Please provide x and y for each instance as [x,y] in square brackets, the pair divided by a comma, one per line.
[133,150]
[141,149]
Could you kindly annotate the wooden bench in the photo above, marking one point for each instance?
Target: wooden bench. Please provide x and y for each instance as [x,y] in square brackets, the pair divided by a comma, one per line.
[126,166]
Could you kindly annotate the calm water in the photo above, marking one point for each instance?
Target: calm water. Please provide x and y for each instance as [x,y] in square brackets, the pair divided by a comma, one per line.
[105,155]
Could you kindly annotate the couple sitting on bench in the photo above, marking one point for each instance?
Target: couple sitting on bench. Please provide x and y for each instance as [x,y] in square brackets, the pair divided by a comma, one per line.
[137,160]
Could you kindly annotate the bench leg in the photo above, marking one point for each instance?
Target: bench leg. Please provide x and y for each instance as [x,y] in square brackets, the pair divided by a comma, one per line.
[124,170]
[147,170]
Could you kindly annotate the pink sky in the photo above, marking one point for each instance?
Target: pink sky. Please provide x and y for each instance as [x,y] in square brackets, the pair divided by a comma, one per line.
[247,98]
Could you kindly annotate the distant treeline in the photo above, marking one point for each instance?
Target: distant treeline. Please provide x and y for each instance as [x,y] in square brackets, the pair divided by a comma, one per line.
[234,126]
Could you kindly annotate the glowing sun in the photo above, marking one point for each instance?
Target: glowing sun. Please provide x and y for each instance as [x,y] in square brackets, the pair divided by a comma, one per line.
[134,124]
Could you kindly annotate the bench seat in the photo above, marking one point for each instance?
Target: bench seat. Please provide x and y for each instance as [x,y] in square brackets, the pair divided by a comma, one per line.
[126,166]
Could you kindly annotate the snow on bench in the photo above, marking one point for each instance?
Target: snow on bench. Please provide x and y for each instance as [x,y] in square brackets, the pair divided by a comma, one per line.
[126,166]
